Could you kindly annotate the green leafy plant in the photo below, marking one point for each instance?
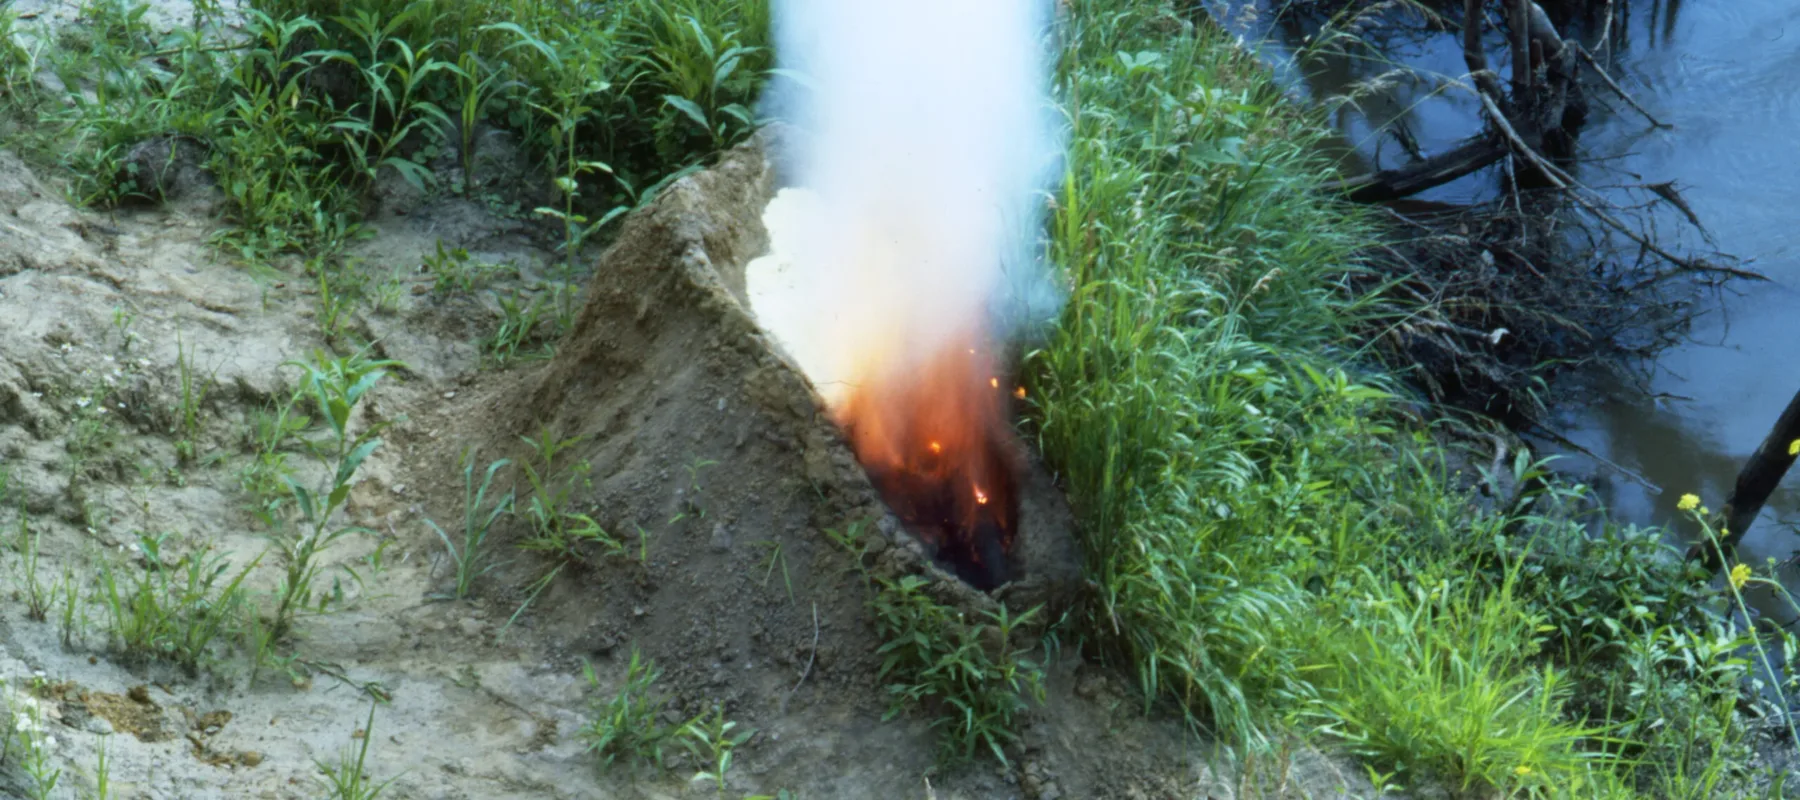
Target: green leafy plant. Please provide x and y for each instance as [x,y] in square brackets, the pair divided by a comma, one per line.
[629,722]
[519,327]
[22,731]
[174,611]
[38,597]
[194,388]
[557,529]
[336,386]
[478,519]
[394,74]
[710,739]
[973,675]
[349,778]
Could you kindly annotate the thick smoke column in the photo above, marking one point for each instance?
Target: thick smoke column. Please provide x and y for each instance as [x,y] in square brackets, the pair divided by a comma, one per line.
[921,145]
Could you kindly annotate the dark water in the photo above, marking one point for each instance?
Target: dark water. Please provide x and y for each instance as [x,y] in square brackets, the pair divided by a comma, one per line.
[1726,75]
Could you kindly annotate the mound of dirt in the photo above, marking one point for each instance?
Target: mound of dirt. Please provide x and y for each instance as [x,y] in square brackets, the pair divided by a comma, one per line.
[710,448]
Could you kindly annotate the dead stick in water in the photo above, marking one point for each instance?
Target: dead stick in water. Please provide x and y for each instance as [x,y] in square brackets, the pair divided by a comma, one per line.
[1761,474]
[1473,56]
[1562,180]
[1594,64]
[1517,19]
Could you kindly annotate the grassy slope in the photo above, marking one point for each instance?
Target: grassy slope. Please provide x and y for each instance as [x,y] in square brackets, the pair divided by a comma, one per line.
[1273,549]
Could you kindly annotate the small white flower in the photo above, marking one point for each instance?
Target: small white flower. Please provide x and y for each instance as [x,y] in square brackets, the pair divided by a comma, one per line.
[82,403]
[102,409]
[65,347]
[143,362]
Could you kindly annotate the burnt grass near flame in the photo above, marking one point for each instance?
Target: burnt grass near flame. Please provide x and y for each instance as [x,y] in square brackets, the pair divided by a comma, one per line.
[1275,545]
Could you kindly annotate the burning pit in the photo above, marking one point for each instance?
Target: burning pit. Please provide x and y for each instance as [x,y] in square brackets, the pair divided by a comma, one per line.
[932,426]
[903,258]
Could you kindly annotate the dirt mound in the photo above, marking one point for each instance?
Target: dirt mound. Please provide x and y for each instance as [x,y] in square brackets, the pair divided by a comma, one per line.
[711,451]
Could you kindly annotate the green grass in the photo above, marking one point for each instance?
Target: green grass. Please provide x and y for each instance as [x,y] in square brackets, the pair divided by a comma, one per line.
[472,559]
[1275,547]
[322,97]
[628,723]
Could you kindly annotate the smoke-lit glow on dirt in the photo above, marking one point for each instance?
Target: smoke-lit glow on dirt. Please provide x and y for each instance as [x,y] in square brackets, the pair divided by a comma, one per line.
[902,257]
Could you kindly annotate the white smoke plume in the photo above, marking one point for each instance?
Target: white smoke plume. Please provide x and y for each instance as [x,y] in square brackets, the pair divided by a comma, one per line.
[921,144]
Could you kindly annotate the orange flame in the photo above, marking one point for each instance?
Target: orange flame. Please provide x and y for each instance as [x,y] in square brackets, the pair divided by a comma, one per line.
[968,454]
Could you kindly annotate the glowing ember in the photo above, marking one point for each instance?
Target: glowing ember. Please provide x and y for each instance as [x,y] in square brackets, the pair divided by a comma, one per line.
[957,493]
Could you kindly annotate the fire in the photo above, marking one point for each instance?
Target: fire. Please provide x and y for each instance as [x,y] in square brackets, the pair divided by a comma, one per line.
[958,492]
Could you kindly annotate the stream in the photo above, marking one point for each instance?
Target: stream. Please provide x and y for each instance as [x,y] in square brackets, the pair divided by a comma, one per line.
[1722,73]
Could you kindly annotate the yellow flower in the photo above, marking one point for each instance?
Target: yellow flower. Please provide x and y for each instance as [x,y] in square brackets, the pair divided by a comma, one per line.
[1521,770]
[1740,575]
[1794,448]
[1688,502]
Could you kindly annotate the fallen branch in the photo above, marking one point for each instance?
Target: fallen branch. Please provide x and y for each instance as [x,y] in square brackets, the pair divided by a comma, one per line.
[1562,180]
[1594,64]
[1437,170]
[1761,474]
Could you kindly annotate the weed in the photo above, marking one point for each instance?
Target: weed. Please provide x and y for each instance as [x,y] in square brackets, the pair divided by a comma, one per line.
[341,287]
[710,739]
[479,82]
[102,772]
[336,386]
[690,495]
[24,730]
[777,557]
[122,319]
[74,614]
[453,270]
[349,778]
[518,329]
[194,388]
[174,611]
[38,597]
[629,723]
[394,74]
[555,528]
[271,432]
[478,518]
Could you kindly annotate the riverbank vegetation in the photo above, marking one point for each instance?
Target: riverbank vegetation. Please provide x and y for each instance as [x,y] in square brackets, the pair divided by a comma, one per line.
[1280,543]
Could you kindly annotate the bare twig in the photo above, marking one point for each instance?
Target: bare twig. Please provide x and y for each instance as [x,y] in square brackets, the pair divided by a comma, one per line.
[809,659]
[1539,430]
[1473,56]
[1562,180]
[1594,64]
